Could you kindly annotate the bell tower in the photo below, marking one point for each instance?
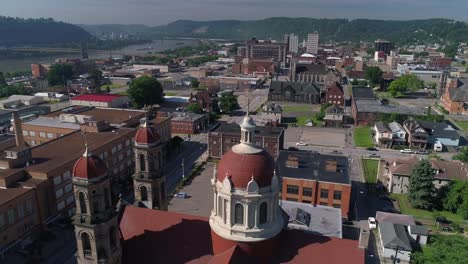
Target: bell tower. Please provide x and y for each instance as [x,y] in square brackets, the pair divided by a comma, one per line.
[95,220]
[148,181]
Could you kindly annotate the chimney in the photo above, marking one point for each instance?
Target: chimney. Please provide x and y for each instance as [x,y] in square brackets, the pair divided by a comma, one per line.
[18,130]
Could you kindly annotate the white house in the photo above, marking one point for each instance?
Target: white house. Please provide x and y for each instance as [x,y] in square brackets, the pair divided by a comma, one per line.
[399,133]
[383,135]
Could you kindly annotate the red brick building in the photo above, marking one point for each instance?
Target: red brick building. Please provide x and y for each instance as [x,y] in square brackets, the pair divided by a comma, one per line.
[334,94]
[455,97]
[39,70]
[225,135]
[189,123]
[438,62]
[310,177]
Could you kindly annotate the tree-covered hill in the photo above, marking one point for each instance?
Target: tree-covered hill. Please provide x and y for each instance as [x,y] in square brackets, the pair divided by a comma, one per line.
[408,31]
[18,31]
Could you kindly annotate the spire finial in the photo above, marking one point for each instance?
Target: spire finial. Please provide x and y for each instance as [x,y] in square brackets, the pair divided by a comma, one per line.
[86,153]
[146,116]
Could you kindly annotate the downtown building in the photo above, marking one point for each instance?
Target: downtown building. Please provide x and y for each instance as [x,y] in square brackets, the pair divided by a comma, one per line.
[246,224]
[312,43]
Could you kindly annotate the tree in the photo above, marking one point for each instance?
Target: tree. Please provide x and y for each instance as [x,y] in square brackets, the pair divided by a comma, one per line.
[2,80]
[228,102]
[145,91]
[463,155]
[195,83]
[194,108]
[175,142]
[421,188]
[59,74]
[405,83]
[456,199]
[96,78]
[443,249]
[374,75]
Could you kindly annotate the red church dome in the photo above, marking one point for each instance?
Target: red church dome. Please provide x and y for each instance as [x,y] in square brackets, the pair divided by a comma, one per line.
[241,167]
[88,167]
[147,135]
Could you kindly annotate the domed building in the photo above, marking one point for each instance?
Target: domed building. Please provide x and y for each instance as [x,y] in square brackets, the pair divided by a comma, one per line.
[246,224]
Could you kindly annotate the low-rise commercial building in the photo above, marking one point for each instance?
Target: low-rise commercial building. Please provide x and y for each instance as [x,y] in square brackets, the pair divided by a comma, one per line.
[455,97]
[101,100]
[225,135]
[314,178]
[189,123]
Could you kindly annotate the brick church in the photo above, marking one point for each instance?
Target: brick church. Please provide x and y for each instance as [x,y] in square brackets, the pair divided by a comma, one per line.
[246,224]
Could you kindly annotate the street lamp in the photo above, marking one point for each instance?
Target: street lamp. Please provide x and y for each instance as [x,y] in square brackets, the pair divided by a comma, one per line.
[183,169]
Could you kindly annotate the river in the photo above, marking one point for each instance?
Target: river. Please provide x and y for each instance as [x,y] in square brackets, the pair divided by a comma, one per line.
[24,64]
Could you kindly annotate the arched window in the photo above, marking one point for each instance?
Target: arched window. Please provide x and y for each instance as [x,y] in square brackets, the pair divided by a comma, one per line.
[112,237]
[142,162]
[220,206]
[239,214]
[86,244]
[144,193]
[263,213]
[82,201]
[163,191]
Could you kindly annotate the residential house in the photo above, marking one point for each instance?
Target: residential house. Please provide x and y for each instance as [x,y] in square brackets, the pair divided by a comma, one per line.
[334,116]
[383,134]
[455,97]
[334,94]
[206,100]
[272,112]
[399,234]
[294,92]
[397,173]
[442,133]
[417,135]
[399,133]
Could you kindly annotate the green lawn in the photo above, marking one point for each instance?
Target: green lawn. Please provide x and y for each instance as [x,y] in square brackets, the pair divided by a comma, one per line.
[406,208]
[370,168]
[111,86]
[363,137]
[296,108]
[123,93]
[301,120]
[170,94]
[463,125]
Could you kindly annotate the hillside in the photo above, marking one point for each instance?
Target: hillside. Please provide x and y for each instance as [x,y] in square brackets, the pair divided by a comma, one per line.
[18,31]
[99,30]
[408,31]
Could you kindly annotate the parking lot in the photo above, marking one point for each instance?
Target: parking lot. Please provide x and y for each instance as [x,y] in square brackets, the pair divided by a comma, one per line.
[315,136]
[200,195]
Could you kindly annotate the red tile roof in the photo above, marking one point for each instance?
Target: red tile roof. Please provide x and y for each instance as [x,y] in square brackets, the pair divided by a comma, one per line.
[242,167]
[151,236]
[97,97]
[89,167]
[147,135]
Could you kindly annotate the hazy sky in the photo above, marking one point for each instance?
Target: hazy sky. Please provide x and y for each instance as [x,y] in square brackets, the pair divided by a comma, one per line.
[156,12]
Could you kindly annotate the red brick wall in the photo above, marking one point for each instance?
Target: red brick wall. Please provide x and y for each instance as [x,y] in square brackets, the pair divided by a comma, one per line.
[315,198]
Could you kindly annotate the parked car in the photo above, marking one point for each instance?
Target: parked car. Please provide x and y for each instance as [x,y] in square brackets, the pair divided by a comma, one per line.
[448,229]
[181,195]
[422,152]
[372,223]
[407,151]
[372,149]
[336,152]
[301,144]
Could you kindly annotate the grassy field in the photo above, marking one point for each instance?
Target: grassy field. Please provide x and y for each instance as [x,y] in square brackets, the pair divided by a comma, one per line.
[370,168]
[111,86]
[363,137]
[463,125]
[420,214]
[123,93]
[170,94]
[296,108]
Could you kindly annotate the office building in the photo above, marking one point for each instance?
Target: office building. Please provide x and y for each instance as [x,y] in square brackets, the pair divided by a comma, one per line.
[293,42]
[383,45]
[312,43]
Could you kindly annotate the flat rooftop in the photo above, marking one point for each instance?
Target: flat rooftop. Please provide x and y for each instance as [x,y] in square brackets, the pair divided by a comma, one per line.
[61,151]
[311,165]
[375,106]
[320,220]
[187,117]
[52,122]
[233,128]
[111,115]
